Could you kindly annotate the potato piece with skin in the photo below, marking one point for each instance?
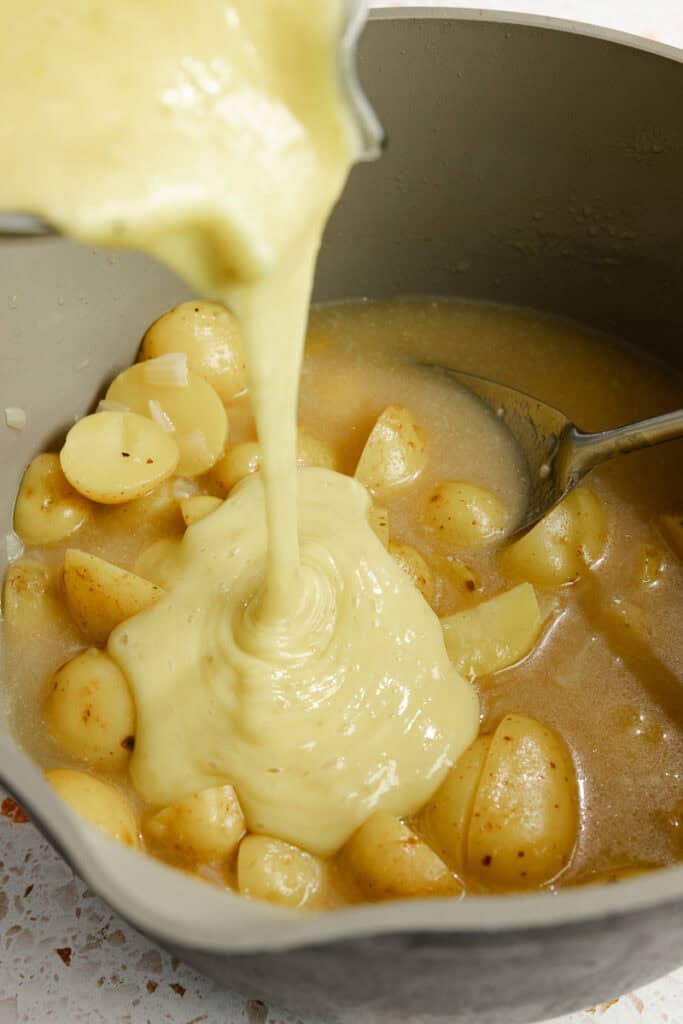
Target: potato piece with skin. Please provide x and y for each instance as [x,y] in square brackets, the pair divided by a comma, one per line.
[98,802]
[494,634]
[378,518]
[464,515]
[29,599]
[209,335]
[157,563]
[415,567]
[395,453]
[270,869]
[445,819]
[196,508]
[112,457]
[100,595]
[194,409]
[457,584]
[313,451]
[525,818]
[388,861]
[238,462]
[48,509]
[90,712]
[565,543]
[202,827]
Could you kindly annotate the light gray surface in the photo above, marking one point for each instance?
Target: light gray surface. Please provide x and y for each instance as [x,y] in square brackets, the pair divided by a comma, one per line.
[84,377]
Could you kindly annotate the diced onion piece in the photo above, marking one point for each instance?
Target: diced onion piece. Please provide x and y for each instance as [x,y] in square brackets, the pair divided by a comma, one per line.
[157,413]
[112,457]
[15,418]
[13,546]
[167,371]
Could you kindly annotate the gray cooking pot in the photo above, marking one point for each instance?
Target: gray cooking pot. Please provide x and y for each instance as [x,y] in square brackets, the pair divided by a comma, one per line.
[536,164]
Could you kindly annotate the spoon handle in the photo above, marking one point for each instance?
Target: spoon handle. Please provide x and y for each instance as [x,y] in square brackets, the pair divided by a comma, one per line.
[587,450]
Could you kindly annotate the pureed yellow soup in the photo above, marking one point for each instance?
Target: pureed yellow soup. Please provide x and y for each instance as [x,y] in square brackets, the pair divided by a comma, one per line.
[276,687]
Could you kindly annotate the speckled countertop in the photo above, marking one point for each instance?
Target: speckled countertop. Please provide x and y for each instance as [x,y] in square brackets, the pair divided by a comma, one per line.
[65,957]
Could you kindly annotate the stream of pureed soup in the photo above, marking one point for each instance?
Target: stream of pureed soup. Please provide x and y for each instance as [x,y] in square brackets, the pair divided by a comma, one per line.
[219,141]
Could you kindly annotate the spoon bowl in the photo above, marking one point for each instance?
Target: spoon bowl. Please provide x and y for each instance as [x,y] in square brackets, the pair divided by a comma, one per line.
[557,453]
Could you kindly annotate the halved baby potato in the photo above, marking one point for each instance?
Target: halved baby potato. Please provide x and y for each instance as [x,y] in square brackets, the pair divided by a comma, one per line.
[395,453]
[378,518]
[112,457]
[202,827]
[388,861]
[209,335]
[90,712]
[196,413]
[494,634]
[565,543]
[270,869]
[98,802]
[464,515]
[101,595]
[507,813]
[30,602]
[415,567]
[48,509]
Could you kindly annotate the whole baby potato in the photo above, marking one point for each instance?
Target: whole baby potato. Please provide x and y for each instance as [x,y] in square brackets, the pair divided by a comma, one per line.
[100,803]
[464,515]
[90,712]
[101,595]
[388,861]
[525,816]
[209,335]
[270,869]
[48,509]
[202,827]
[395,452]
[565,543]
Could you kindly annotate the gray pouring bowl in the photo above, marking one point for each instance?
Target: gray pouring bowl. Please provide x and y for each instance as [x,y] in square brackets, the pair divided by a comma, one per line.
[529,163]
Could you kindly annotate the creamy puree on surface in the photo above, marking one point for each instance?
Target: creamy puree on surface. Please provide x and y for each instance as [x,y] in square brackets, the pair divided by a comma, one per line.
[292,658]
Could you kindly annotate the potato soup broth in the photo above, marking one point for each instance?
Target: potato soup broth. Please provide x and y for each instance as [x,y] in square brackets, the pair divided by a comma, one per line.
[606,671]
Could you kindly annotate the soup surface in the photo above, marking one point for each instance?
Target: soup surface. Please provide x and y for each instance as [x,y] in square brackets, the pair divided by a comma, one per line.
[578,669]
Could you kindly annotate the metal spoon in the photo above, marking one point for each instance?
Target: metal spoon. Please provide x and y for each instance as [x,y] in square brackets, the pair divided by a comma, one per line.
[557,453]
[370,132]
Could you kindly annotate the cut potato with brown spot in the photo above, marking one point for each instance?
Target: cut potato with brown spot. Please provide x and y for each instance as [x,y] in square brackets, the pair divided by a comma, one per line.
[463,515]
[48,509]
[565,543]
[30,601]
[89,711]
[395,453]
[238,462]
[378,518]
[388,861]
[196,508]
[415,567]
[209,335]
[98,802]
[112,457]
[672,528]
[158,562]
[525,819]
[270,869]
[202,827]
[199,419]
[100,595]
[445,819]
[494,634]
[311,450]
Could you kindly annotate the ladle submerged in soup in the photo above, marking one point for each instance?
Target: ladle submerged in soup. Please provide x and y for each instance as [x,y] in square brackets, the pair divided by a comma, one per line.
[261,653]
